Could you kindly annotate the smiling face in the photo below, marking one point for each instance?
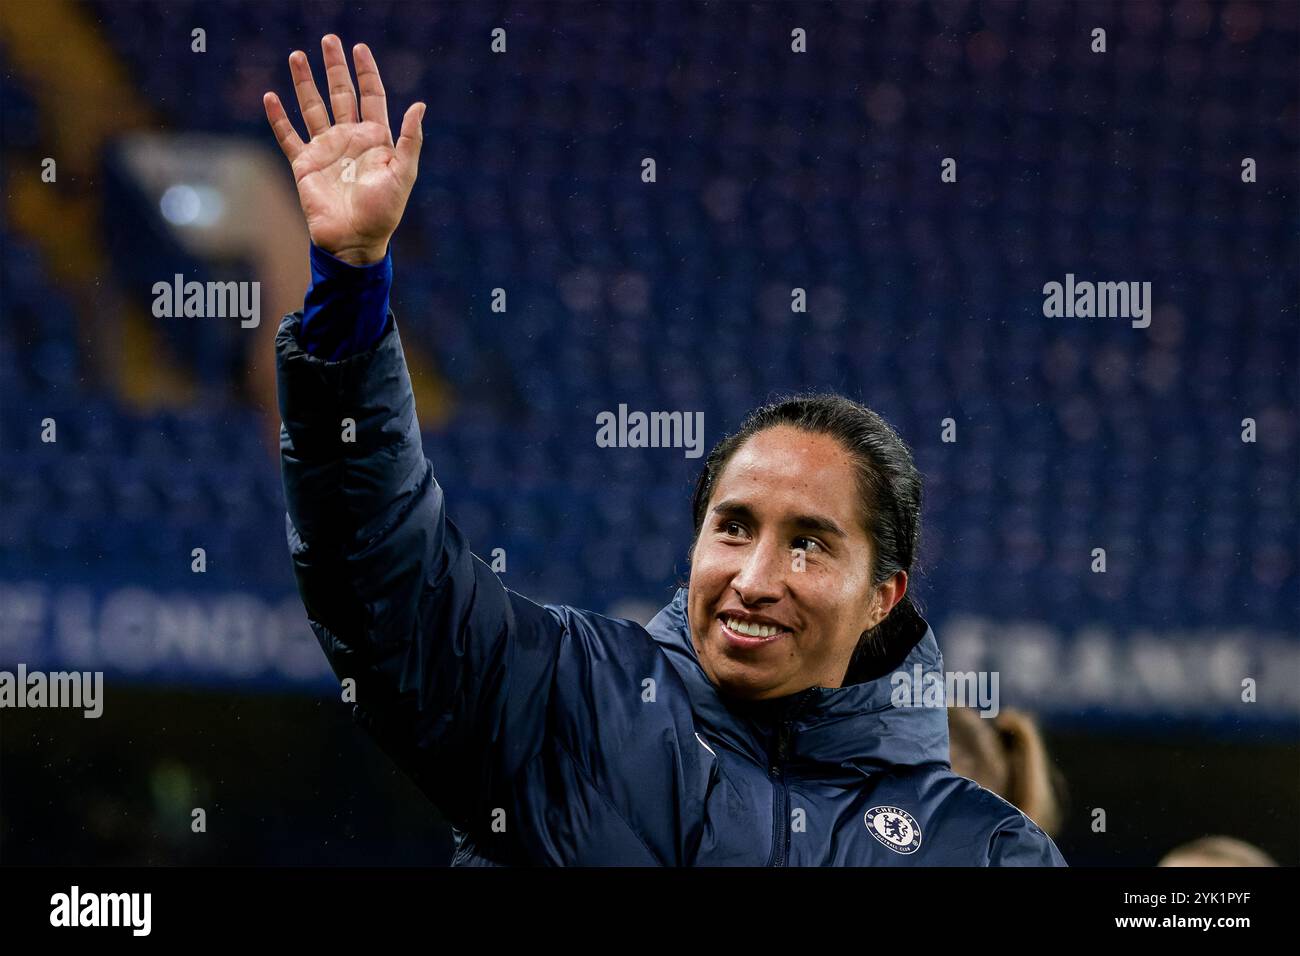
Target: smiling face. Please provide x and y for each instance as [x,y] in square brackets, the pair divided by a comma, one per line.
[780,588]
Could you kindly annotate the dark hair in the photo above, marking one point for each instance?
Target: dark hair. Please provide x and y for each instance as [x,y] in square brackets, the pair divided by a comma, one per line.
[889,488]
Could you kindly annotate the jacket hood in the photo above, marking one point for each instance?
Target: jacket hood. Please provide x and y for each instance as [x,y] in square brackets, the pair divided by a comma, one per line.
[837,732]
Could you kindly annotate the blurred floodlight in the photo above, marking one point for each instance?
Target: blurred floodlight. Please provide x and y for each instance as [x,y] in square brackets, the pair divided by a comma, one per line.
[199,206]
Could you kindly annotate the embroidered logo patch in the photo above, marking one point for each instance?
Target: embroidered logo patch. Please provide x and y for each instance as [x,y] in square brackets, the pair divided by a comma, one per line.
[895,828]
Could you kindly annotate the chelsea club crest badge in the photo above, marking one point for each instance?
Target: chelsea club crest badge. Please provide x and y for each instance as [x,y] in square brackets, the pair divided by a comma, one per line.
[895,828]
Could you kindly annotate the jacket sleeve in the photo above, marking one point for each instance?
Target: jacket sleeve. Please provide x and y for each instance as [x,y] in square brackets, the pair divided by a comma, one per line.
[452,670]
[1021,842]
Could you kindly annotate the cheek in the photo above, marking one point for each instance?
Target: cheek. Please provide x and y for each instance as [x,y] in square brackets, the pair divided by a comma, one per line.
[709,565]
[835,596]
[706,580]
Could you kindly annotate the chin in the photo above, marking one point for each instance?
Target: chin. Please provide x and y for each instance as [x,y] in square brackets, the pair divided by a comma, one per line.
[746,683]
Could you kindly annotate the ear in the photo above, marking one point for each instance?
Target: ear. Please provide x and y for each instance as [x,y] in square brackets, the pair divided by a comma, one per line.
[887,594]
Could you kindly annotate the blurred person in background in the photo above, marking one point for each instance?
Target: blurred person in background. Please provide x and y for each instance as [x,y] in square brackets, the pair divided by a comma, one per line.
[750,723]
[1217,851]
[1006,754]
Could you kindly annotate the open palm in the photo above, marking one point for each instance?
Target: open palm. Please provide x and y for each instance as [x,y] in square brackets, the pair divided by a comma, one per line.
[353,181]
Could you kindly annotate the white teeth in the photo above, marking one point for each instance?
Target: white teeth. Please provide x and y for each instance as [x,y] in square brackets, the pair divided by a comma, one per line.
[751,630]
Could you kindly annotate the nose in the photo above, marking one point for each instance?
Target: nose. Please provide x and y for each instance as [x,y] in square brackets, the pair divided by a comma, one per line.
[761,578]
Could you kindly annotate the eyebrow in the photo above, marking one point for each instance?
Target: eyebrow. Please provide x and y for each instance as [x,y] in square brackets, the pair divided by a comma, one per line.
[731,508]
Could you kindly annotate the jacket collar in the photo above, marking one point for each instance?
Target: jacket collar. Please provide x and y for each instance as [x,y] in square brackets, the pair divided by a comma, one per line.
[834,732]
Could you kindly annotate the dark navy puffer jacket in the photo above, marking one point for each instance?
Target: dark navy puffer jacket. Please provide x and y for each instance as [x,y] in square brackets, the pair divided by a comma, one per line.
[553,735]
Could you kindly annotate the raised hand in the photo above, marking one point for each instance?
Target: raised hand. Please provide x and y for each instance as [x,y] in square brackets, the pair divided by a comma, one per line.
[353,182]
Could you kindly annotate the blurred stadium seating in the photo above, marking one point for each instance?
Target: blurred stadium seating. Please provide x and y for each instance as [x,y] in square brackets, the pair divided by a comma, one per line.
[774,171]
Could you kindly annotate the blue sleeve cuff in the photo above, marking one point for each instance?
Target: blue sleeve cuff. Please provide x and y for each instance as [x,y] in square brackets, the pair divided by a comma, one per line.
[345,311]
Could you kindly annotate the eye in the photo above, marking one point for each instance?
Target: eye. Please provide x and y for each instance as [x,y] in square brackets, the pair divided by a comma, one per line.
[809,544]
[731,528]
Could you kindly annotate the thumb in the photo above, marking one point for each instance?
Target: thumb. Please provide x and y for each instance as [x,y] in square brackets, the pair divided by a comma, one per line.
[411,139]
